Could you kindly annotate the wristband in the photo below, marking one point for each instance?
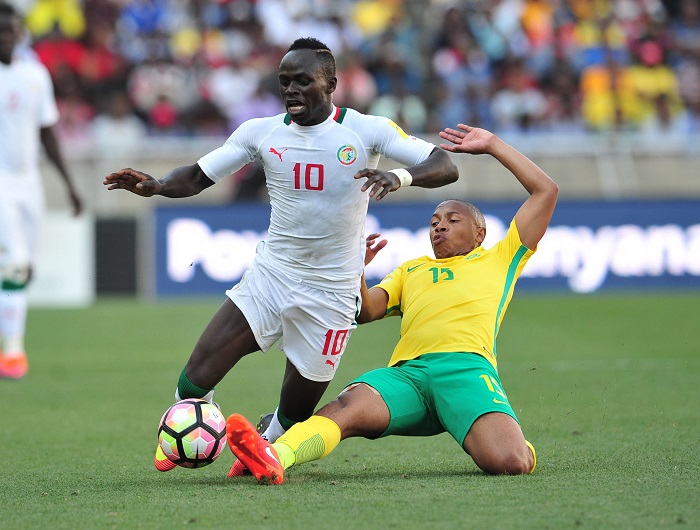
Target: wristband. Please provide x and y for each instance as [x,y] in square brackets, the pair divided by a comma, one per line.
[404,176]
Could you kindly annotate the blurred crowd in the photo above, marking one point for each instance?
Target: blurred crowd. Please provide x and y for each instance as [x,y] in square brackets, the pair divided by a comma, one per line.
[130,68]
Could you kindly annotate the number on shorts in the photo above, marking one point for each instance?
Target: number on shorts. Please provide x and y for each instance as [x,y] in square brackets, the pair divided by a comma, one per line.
[335,341]
[494,387]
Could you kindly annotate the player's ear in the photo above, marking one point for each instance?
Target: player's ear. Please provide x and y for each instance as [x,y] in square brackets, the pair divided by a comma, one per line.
[480,236]
[331,85]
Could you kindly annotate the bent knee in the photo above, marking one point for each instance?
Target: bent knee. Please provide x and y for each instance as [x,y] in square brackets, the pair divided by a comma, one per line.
[508,463]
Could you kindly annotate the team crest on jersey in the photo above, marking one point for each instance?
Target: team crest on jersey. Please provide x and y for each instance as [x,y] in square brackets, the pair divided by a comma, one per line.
[347,155]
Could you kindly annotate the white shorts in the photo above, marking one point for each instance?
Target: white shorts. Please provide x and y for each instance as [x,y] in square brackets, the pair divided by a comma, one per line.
[314,324]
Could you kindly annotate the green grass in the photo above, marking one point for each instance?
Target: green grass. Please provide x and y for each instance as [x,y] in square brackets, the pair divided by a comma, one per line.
[606,387]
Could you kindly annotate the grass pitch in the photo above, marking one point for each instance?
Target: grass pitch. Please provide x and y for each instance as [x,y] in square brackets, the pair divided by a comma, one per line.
[606,387]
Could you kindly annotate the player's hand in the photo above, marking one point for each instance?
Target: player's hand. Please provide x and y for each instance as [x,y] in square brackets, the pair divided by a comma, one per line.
[76,203]
[467,139]
[134,181]
[373,247]
[379,183]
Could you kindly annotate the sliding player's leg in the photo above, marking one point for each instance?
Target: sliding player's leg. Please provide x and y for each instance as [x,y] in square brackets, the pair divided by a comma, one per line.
[358,410]
[475,410]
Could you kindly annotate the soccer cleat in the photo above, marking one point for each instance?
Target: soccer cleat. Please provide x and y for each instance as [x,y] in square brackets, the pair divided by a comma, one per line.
[161,461]
[264,422]
[238,469]
[253,450]
[14,367]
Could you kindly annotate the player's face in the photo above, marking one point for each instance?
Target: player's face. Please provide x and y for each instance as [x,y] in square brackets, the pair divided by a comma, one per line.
[304,87]
[9,35]
[454,231]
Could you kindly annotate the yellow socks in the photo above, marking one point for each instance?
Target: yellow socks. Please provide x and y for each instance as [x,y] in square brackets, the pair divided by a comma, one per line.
[309,440]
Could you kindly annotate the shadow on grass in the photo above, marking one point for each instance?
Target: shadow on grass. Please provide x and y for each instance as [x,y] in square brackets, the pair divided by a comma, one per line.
[365,476]
[297,476]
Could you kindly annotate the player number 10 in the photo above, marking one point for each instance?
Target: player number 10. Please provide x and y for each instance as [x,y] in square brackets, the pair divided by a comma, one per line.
[335,341]
[313,177]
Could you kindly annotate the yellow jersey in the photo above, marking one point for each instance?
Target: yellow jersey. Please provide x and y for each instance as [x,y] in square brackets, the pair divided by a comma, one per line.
[454,304]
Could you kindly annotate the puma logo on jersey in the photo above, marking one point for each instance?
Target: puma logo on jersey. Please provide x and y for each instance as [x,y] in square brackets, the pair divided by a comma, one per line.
[278,153]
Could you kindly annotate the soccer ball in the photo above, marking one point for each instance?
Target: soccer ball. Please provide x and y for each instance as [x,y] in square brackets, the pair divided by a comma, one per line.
[192,433]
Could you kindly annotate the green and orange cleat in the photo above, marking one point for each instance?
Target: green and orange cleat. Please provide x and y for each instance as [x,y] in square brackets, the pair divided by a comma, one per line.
[15,367]
[252,451]
[162,462]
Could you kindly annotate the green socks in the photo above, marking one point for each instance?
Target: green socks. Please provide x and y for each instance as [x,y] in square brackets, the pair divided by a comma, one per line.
[187,389]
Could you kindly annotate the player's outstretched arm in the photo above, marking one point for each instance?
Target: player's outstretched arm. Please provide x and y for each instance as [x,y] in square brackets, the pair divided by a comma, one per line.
[435,171]
[183,181]
[534,215]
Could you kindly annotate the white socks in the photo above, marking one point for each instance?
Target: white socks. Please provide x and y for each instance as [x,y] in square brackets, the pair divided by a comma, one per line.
[209,396]
[13,320]
[274,430]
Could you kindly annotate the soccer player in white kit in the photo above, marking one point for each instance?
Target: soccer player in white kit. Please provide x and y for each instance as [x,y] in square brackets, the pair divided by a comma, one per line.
[27,114]
[304,285]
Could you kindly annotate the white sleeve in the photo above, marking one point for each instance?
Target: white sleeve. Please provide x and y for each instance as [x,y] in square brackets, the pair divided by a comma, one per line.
[238,150]
[392,142]
[48,112]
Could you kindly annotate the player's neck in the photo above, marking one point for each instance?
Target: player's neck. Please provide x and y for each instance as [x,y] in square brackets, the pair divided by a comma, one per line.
[319,118]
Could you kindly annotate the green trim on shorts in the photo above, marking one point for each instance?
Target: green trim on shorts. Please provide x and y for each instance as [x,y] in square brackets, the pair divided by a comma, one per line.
[9,285]
[438,392]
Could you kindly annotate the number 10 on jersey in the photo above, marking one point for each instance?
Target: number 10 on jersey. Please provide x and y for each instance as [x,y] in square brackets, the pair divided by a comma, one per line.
[312,178]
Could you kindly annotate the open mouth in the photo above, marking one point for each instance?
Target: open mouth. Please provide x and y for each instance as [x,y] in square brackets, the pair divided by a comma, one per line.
[294,106]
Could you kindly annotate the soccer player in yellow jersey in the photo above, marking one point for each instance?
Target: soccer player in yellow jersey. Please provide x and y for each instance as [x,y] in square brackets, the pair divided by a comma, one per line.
[443,374]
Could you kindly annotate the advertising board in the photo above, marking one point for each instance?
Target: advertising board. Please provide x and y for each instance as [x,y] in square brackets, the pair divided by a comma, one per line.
[589,246]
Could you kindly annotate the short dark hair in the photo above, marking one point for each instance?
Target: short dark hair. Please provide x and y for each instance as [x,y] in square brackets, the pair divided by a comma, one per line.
[473,210]
[8,9]
[324,55]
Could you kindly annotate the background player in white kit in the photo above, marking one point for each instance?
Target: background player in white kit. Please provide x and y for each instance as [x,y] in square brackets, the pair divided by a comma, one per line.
[27,115]
[304,285]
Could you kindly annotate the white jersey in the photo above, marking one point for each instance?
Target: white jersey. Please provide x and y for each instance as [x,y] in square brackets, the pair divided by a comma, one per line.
[26,105]
[318,209]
